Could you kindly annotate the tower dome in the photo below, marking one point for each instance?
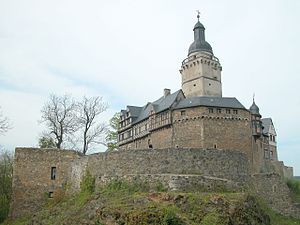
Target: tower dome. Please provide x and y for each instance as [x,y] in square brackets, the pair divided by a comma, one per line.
[254,109]
[199,43]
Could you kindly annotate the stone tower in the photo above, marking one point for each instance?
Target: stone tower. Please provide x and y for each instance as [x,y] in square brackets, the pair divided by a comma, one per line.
[201,70]
[257,128]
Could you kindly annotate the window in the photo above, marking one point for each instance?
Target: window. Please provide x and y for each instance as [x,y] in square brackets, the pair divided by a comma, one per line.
[182,113]
[149,143]
[53,173]
[227,111]
[267,154]
[271,154]
[235,111]
[146,126]
[211,110]
[215,146]
[219,110]
[50,195]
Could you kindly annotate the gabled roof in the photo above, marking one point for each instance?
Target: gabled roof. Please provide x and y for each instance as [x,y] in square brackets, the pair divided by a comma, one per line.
[134,110]
[210,102]
[178,101]
[267,123]
[159,105]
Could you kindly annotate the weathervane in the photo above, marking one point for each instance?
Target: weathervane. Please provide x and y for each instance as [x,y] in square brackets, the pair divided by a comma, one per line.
[198,14]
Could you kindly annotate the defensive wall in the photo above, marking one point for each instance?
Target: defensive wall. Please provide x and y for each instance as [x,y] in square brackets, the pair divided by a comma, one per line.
[177,169]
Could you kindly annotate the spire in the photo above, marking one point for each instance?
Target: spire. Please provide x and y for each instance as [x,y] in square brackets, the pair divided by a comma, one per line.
[198,15]
[199,43]
[254,108]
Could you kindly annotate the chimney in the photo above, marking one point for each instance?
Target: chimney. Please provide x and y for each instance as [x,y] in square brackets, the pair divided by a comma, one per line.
[167,92]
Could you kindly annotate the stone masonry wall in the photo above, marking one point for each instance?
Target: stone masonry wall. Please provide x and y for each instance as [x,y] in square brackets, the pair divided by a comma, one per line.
[32,181]
[177,169]
[273,190]
[229,165]
[177,182]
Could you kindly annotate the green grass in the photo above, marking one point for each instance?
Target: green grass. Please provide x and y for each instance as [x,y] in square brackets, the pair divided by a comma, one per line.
[276,218]
[133,203]
[294,186]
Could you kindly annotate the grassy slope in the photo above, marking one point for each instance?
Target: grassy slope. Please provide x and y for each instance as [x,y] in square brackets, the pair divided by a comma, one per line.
[121,203]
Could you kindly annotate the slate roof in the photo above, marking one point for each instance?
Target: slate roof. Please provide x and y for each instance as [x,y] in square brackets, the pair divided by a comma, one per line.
[254,109]
[134,110]
[210,102]
[140,113]
[159,105]
[266,122]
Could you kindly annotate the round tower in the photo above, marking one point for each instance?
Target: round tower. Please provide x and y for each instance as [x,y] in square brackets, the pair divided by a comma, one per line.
[256,120]
[201,70]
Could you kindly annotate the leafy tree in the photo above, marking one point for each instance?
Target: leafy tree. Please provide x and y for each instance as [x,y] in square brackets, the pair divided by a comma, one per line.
[112,133]
[89,110]
[46,142]
[6,162]
[4,123]
[59,115]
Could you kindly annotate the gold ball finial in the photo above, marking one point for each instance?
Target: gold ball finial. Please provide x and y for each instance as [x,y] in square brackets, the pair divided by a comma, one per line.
[198,14]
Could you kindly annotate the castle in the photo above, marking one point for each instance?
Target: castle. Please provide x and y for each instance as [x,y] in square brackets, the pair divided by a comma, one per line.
[198,116]
[190,140]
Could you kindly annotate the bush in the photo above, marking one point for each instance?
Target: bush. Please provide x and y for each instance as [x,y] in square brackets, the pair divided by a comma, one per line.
[170,217]
[88,183]
[294,186]
[211,218]
[160,187]
[126,186]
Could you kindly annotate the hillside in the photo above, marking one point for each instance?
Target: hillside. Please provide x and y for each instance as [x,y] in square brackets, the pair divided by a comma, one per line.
[131,204]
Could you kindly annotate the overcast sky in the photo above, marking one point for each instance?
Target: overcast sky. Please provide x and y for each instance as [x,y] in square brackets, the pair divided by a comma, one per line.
[129,51]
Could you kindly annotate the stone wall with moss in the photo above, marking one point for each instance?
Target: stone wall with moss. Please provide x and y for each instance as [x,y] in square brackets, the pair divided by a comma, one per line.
[274,191]
[174,169]
[231,165]
[32,183]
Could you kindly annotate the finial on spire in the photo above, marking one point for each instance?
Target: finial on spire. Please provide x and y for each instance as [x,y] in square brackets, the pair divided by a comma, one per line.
[253,97]
[198,14]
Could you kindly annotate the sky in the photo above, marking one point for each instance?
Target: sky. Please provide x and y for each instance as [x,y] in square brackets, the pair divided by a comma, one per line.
[129,51]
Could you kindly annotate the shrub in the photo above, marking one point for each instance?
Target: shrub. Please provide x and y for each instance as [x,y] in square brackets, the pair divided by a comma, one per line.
[160,187]
[170,217]
[87,183]
[294,186]
[211,218]
[127,186]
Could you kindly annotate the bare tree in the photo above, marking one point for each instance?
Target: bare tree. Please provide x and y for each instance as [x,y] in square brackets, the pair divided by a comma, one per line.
[59,115]
[4,123]
[89,110]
